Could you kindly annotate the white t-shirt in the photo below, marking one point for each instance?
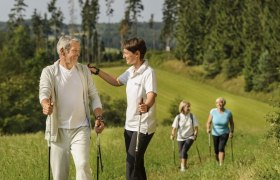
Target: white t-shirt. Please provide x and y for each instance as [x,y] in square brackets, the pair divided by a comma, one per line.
[138,84]
[185,128]
[71,110]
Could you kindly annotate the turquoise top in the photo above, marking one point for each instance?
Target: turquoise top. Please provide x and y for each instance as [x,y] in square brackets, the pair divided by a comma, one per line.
[220,121]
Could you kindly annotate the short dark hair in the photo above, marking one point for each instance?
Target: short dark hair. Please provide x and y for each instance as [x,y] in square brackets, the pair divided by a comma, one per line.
[135,44]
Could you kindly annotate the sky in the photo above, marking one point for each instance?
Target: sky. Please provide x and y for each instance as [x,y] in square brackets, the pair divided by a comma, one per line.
[150,7]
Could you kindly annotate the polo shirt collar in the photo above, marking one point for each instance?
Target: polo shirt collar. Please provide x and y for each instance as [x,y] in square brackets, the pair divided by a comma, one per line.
[141,69]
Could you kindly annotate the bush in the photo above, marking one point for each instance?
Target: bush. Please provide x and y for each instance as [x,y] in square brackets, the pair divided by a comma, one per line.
[274,119]
[173,110]
[114,110]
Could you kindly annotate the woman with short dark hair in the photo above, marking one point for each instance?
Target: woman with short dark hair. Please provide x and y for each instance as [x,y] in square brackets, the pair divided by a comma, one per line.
[141,91]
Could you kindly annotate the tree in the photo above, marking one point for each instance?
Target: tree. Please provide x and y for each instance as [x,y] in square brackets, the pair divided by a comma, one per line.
[229,23]
[267,73]
[109,13]
[132,12]
[37,27]
[90,11]
[189,31]
[56,22]
[169,22]
[151,25]
[16,18]
[16,51]
[109,10]
[72,24]
[124,26]
[253,41]
[274,119]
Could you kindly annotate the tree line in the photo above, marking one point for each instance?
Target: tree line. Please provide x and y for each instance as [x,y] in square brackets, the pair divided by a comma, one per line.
[233,37]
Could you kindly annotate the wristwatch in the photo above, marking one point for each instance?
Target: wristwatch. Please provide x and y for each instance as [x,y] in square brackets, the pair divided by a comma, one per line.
[99,117]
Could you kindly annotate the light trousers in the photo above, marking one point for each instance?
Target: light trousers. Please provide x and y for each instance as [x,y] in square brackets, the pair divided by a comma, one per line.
[75,142]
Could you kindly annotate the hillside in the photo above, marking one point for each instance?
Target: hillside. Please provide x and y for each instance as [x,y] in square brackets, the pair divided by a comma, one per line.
[246,111]
[245,159]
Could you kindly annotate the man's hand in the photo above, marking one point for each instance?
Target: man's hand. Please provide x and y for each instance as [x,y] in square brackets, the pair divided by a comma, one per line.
[99,126]
[47,106]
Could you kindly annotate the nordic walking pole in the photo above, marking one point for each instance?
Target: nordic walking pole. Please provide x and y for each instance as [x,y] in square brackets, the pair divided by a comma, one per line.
[49,144]
[231,149]
[174,151]
[209,144]
[49,151]
[98,157]
[198,153]
[137,139]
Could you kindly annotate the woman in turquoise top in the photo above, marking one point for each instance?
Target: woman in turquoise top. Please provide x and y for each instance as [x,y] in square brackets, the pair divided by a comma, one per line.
[221,119]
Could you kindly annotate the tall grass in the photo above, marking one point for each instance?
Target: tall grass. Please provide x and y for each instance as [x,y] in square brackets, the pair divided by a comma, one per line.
[26,157]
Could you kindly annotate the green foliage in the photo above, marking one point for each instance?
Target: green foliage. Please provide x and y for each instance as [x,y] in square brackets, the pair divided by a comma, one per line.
[20,110]
[274,119]
[157,58]
[114,110]
[189,31]
[169,19]
[20,71]
[267,73]
[231,37]
[16,17]
[211,63]
[173,110]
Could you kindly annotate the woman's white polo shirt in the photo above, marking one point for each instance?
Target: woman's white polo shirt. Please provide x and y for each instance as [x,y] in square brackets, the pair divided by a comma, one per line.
[138,84]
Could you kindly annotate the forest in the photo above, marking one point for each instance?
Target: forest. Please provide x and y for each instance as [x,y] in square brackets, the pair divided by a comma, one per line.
[230,38]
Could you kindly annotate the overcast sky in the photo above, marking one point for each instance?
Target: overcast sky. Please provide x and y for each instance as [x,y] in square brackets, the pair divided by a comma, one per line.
[150,7]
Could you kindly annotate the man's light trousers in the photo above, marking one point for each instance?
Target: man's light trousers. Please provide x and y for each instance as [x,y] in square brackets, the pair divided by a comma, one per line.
[75,142]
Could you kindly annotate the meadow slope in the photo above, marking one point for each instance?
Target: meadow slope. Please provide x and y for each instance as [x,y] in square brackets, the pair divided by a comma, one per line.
[254,157]
[248,113]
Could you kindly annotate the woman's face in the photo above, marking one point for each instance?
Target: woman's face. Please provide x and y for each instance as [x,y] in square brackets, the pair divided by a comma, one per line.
[220,104]
[130,57]
[187,108]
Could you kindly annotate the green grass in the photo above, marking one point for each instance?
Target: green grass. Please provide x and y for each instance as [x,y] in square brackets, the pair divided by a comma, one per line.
[26,156]
[248,113]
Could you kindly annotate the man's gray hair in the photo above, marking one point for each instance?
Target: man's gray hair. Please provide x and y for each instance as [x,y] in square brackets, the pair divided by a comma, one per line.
[64,42]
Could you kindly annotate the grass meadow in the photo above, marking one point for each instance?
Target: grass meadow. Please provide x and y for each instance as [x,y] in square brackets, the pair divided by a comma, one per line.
[254,157]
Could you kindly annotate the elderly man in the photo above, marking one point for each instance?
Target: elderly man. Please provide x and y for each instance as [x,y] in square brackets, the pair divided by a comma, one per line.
[66,94]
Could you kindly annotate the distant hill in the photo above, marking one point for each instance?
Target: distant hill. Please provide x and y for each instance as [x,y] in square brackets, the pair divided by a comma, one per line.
[109,33]
[3,26]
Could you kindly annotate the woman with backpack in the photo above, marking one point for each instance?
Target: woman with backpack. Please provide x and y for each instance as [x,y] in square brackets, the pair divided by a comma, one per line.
[187,128]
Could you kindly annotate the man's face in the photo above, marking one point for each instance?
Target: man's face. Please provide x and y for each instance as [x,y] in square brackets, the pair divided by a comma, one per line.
[72,55]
